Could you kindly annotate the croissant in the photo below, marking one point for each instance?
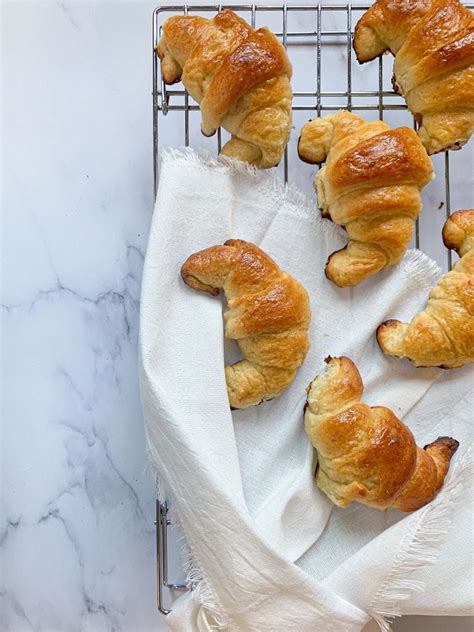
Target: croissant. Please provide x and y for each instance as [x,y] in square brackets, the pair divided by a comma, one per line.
[370,185]
[238,75]
[433,44]
[268,315]
[443,333]
[366,453]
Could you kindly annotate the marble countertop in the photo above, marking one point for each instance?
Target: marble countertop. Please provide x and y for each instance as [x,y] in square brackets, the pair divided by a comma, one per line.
[76,531]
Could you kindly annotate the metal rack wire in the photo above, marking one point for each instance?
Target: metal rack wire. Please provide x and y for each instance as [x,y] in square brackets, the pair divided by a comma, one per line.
[168,99]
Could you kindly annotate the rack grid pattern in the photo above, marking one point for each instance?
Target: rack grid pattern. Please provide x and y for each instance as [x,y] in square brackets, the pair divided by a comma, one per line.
[315,101]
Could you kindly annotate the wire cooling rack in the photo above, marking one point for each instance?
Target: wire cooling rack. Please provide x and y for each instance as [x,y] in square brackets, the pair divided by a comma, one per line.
[320,28]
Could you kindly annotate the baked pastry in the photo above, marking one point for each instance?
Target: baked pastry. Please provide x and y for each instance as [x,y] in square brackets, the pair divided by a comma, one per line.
[370,185]
[269,316]
[433,44]
[443,333]
[366,453]
[238,75]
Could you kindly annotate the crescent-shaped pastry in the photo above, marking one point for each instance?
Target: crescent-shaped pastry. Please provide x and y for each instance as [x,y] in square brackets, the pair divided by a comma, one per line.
[366,454]
[371,185]
[443,333]
[433,44]
[240,77]
[268,316]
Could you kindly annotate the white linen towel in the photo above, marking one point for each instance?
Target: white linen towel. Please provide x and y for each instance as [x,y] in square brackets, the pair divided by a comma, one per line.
[266,550]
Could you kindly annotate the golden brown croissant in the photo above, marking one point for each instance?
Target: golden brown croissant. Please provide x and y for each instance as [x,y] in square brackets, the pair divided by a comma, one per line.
[268,315]
[443,333]
[240,77]
[366,453]
[433,44]
[370,185]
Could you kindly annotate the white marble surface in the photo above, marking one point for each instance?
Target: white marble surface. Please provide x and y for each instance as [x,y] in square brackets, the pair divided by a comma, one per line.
[76,531]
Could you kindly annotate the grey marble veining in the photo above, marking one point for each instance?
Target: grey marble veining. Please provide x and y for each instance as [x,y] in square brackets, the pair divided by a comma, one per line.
[76,527]
[77,533]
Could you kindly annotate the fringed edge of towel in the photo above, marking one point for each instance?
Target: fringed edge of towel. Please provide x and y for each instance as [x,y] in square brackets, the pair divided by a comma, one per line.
[419,547]
[422,270]
[266,178]
[199,587]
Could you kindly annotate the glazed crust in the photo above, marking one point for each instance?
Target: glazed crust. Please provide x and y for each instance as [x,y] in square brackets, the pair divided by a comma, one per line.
[366,454]
[240,77]
[433,44]
[268,316]
[458,232]
[443,333]
[370,185]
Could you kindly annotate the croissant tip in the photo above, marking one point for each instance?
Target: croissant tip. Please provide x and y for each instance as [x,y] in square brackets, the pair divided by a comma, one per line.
[446,241]
[195,284]
[170,82]
[456,146]
[386,323]
[339,281]
[451,444]
[208,134]
[328,276]
[361,59]
[326,269]
[302,157]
